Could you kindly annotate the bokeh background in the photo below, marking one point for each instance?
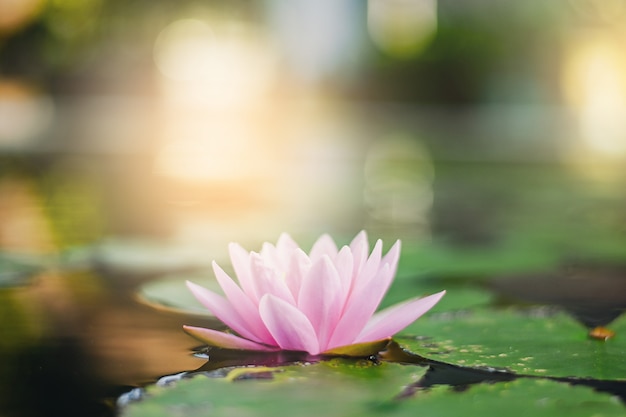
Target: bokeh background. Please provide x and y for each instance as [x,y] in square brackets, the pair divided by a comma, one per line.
[140,137]
[194,120]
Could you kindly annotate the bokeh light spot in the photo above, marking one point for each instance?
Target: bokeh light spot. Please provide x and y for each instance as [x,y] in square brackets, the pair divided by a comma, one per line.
[402,28]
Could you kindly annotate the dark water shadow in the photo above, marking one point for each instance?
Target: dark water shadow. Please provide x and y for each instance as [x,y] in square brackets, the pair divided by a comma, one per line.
[39,382]
[593,293]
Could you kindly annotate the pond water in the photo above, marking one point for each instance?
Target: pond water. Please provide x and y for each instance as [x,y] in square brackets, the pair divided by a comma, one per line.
[71,347]
[83,236]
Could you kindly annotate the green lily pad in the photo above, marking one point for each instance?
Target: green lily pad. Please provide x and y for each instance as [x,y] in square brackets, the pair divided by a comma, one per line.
[522,397]
[361,388]
[137,256]
[330,388]
[530,343]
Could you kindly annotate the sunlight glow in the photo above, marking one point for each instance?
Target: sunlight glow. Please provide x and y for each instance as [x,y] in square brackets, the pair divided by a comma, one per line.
[215,81]
[223,66]
[609,11]
[210,152]
[595,83]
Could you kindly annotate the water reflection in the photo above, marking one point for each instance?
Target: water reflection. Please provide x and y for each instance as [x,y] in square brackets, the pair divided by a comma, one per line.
[595,85]
[71,342]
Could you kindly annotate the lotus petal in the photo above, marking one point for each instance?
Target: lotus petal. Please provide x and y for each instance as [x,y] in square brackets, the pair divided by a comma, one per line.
[225,340]
[291,329]
[325,245]
[241,264]
[299,266]
[243,305]
[319,298]
[222,309]
[395,318]
[359,310]
[268,280]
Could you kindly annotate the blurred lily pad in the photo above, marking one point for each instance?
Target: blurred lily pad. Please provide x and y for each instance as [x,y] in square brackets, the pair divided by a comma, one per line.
[536,342]
[136,256]
[17,270]
[171,293]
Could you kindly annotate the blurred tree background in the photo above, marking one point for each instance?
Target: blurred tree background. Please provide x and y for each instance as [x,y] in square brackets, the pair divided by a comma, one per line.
[423,51]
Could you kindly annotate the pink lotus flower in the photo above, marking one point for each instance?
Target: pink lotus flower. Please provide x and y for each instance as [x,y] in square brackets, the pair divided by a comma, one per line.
[318,303]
